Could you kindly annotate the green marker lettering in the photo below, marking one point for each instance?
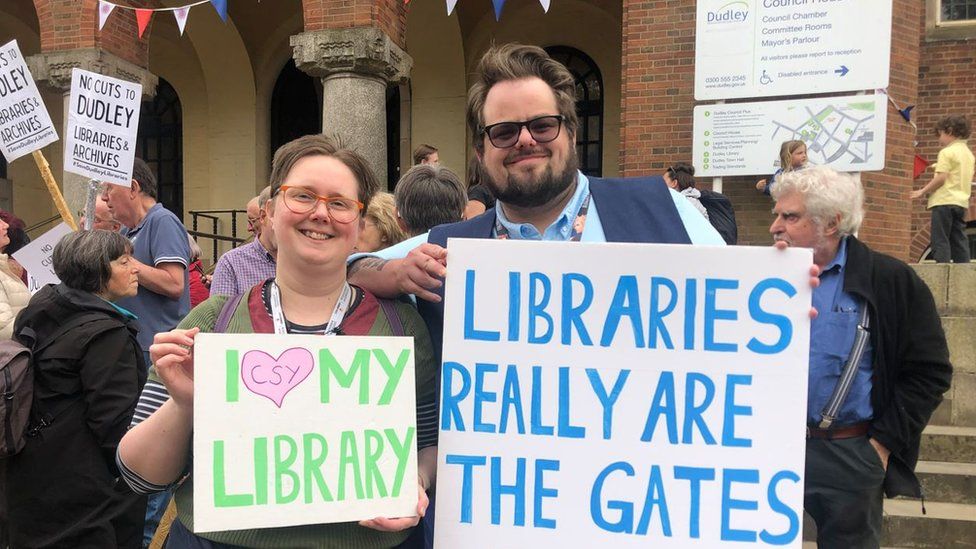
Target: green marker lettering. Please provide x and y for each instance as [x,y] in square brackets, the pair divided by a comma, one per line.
[393,373]
[313,466]
[349,457]
[402,452]
[373,448]
[233,375]
[328,364]
[282,467]
[261,471]
[221,497]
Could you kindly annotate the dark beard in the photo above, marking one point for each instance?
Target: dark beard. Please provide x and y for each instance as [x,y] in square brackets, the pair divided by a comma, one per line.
[534,193]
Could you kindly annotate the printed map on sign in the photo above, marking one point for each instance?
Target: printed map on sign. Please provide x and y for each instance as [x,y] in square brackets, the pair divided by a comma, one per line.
[302,429]
[622,395]
[845,133]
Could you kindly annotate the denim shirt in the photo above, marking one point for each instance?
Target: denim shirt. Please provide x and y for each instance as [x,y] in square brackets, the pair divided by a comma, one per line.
[831,340]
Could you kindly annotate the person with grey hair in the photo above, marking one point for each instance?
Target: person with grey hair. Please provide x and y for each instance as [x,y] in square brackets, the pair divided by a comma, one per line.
[878,324]
[88,368]
[161,252]
[427,196]
[241,268]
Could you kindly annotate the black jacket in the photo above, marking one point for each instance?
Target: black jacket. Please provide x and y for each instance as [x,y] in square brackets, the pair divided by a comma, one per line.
[911,359]
[62,489]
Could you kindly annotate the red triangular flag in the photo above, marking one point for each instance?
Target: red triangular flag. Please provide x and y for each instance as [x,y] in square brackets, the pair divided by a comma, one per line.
[143,17]
[920,165]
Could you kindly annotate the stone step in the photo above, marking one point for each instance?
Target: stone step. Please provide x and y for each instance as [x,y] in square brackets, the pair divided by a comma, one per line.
[948,482]
[944,526]
[948,443]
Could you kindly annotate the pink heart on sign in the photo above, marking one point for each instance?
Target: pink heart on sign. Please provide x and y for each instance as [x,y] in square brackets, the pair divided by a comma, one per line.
[273,378]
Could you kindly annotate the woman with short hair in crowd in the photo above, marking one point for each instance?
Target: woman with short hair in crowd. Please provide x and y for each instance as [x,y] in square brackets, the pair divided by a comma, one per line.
[62,488]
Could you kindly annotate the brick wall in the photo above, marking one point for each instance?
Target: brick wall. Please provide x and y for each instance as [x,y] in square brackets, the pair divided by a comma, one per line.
[947,85]
[73,24]
[388,15]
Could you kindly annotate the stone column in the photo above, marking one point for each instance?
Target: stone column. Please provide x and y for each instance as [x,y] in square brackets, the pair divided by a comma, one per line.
[54,70]
[356,65]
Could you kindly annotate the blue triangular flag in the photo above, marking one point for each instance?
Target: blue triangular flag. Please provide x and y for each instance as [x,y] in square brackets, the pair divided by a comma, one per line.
[498,8]
[221,7]
[906,113]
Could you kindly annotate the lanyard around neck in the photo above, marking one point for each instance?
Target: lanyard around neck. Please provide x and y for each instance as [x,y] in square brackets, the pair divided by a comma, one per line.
[338,313]
[579,222]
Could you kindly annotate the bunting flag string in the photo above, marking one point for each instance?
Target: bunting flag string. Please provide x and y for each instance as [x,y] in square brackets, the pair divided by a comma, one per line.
[498,5]
[905,113]
[144,15]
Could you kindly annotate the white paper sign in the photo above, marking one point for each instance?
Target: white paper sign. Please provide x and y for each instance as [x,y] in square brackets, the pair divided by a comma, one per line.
[36,258]
[622,395]
[103,120]
[846,133]
[25,125]
[764,48]
[302,429]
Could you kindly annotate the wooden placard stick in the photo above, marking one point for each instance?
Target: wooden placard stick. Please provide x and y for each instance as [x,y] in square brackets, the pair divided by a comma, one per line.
[52,187]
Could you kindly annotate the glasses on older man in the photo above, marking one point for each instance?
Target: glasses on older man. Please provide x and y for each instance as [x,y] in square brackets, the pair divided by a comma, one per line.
[542,129]
[302,200]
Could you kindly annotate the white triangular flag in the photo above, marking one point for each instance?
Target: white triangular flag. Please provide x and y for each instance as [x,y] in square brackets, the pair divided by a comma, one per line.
[545,5]
[450,6]
[104,10]
[181,14]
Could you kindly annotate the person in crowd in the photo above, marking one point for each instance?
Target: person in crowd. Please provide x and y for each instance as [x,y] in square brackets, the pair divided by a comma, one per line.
[253,211]
[681,177]
[161,253]
[13,291]
[428,196]
[318,193]
[480,198]
[866,444]
[792,156]
[62,489]
[522,117]
[199,291]
[16,232]
[103,217]
[949,191]
[243,267]
[426,154]
[382,227]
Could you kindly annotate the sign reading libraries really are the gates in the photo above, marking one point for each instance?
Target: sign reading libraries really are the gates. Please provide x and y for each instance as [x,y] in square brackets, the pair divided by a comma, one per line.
[765,48]
[622,395]
[302,429]
[103,121]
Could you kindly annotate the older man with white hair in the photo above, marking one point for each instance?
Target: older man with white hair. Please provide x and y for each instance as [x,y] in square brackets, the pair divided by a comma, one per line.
[879,363]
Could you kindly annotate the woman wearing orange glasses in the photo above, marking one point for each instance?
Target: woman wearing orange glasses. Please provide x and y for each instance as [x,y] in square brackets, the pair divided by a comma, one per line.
[319,191]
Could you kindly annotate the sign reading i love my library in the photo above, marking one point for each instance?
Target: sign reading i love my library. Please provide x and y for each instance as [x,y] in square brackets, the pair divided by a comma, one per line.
[622,395]
[103,120]
[302,429]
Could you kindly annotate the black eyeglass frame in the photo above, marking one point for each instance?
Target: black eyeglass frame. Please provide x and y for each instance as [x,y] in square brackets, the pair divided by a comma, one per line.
[486,130]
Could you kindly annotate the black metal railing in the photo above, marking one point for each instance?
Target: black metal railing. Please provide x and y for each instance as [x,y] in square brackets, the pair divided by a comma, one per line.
[214,218]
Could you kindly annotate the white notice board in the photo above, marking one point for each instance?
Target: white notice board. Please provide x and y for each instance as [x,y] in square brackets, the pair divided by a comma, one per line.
[622,395]
[846,133]
[765,48]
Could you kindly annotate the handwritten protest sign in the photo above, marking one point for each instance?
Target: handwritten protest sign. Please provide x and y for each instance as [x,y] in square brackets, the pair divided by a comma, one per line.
[25,125]
[622,395]
[36,258]
[302,429]
[103,119]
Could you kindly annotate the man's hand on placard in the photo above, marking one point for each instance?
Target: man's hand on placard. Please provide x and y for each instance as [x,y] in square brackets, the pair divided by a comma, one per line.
[422,271]
[814,275]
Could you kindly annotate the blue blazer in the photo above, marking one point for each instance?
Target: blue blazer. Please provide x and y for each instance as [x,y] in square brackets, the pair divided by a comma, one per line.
[636,209]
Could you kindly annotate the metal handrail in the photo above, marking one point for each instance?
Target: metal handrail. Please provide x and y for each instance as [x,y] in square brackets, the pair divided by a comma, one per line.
[40,224]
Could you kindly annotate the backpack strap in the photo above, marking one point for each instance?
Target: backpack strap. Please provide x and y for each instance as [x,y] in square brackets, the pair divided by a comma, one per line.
[226,312]
[390,310]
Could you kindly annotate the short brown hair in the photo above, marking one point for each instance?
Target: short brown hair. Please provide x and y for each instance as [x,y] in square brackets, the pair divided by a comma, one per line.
[955,125]
[422,152]
[428,196]
[383,214]
[514,62]
[145,177]
[290,153]
[83,259]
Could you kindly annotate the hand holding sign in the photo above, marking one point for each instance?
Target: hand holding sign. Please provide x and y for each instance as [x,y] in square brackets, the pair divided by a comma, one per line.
[172,356]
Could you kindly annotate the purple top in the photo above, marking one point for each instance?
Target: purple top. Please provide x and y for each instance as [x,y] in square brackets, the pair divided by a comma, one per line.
[241,268]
